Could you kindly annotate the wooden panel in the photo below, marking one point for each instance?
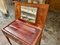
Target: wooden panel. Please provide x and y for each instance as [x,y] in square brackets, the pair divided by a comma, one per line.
[41,13]
[25,33]
[54,5]
[17,10]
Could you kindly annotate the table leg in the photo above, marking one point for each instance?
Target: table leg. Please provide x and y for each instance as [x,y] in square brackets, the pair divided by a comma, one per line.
[7,38]
[38,42]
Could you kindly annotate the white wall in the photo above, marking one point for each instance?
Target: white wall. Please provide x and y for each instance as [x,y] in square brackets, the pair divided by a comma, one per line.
[2,6]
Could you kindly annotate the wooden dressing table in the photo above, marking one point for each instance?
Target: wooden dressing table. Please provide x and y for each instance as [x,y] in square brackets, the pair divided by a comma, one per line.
[24,32]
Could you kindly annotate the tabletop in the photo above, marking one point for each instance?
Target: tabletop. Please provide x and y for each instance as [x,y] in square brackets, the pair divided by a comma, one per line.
[24,31]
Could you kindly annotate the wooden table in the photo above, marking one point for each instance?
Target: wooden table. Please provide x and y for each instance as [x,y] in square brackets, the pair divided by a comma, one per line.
[21,32]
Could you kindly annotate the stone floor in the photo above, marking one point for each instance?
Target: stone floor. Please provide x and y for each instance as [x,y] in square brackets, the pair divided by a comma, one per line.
[52,29]
[51,33]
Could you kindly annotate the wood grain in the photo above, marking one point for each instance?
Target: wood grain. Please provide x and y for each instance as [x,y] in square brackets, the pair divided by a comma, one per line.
[41,13]
[54,5]
[25,32]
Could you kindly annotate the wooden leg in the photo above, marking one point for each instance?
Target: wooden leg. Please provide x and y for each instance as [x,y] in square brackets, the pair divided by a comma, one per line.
[39,41]
[7,38]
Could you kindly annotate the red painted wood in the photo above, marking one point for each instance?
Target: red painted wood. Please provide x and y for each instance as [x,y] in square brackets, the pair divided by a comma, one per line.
[26,32]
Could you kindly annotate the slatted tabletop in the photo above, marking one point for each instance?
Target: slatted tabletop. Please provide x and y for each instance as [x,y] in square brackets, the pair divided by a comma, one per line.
[23,31]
